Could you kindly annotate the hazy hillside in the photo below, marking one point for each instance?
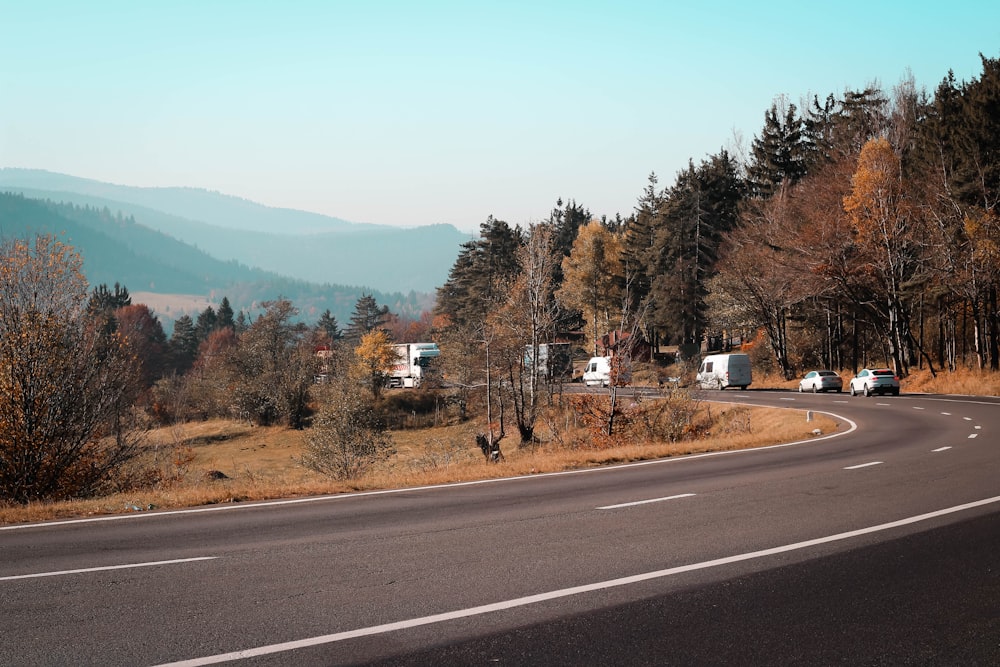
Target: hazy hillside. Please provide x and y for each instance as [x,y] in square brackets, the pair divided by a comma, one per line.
[192,203]
[301,245]
[117,249]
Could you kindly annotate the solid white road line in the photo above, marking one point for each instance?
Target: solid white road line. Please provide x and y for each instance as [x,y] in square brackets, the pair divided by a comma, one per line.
[566,592]
[864,465]
[644,502]
[106,568]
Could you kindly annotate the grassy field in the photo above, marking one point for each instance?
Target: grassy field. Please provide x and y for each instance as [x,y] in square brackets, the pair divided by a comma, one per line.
[221,461]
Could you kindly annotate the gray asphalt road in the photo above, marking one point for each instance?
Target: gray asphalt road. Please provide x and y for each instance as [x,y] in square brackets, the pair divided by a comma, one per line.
[553,569]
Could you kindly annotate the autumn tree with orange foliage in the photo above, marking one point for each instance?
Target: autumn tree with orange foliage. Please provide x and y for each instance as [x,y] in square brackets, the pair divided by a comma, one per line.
[592,278]
[375,355]
[889,242]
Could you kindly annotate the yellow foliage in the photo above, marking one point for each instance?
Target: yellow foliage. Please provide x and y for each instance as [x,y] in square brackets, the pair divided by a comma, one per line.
[875,191]
[375,356]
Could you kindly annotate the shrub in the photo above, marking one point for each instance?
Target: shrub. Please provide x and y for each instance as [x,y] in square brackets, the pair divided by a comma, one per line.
[347,436]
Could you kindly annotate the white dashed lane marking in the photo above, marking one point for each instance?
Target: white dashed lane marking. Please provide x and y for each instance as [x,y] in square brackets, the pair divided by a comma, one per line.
[864,465]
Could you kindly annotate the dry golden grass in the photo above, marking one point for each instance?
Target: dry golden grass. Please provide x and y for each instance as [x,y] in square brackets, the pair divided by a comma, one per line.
[262,463]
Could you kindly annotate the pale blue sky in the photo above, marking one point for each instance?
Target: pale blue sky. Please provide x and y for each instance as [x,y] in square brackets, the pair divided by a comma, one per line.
[409,113]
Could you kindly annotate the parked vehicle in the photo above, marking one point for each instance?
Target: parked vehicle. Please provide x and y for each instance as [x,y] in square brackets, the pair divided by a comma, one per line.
[718,371]
[875,381]
[413,362]
[816,381]
[597,372]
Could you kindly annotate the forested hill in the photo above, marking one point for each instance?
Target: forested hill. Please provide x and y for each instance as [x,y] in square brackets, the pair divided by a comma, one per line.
[115,248]
[298,244]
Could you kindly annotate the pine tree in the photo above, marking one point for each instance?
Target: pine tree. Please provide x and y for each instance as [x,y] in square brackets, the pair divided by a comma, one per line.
[183,344]
[477,280]
[367,317]
[327,325]
[639,241]
[103,300]
[205,324]
[778,154]
[224,315]
[242,323]
[701,206]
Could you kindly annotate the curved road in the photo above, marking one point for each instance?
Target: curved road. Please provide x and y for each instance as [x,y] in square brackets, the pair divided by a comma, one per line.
[878,546]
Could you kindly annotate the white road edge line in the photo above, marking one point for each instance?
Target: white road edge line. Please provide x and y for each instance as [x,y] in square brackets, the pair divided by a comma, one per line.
[566,592]
[864,465]
[852,426]
[645,502]
[105,568]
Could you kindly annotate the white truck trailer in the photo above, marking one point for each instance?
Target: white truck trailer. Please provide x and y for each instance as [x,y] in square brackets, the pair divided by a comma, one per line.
[412,362]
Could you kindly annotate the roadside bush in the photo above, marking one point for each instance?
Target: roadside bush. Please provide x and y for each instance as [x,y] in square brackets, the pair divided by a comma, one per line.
[347,437]
[669,418]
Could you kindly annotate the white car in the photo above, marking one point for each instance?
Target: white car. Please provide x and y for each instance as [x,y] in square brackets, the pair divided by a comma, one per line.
[875,381]
[816,381]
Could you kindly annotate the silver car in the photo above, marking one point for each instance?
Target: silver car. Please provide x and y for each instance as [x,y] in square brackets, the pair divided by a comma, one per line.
[816,381]
[875,381]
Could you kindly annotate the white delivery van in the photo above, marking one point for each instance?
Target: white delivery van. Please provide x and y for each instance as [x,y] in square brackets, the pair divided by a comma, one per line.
[718,371]
[597,372]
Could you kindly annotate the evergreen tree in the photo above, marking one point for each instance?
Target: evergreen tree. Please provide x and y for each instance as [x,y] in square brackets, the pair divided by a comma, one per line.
[241,324]
[205,324]
[183,344]
[103,300]
[327,325]
[701,206]
[224,315]
[477,279]
[778,154]
[367,317]
[639,241]
[861,115]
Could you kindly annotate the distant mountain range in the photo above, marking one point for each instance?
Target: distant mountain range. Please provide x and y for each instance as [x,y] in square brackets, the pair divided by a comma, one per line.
[297,244]
[186,241]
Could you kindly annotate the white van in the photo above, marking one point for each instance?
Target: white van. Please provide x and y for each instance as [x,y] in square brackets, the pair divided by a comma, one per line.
[718,371]
[597,372]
